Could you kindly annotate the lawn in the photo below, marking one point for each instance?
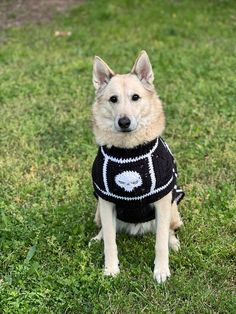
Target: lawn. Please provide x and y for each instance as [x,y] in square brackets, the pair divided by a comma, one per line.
[47,148]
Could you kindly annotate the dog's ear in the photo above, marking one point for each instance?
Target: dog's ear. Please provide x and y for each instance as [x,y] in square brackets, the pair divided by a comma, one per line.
[101,73]
[143,68]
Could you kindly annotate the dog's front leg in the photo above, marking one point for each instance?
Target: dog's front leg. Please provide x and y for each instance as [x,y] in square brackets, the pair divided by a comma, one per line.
[108,219]
[163,215]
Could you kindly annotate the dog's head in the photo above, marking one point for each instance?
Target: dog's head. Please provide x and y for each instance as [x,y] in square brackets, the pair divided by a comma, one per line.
[127,112]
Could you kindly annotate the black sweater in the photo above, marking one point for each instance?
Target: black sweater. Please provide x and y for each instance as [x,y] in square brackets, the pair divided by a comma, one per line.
[135,178]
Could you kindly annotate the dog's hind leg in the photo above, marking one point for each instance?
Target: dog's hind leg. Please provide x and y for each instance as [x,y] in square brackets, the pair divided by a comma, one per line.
[175,223]
[97,220]
[174,243]
[98,237]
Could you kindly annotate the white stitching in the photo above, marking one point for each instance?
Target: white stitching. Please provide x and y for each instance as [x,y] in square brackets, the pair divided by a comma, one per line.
[135,198]
[152,173]
[127,160]
[104,173]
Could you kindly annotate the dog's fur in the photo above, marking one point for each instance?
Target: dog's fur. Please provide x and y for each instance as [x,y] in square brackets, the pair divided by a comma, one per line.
[147,123]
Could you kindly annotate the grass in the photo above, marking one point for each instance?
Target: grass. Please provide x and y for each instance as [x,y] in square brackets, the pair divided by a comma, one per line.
[47,148]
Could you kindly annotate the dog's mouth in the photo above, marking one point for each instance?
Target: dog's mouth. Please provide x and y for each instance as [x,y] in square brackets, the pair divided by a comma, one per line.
[126,131]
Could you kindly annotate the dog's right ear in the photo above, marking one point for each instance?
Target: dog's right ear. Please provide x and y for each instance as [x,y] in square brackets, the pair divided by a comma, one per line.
[101,73]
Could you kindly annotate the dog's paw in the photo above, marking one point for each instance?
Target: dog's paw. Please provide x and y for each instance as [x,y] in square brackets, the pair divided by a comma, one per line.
[111,271]
[161,274]
[98,237]
[174,243]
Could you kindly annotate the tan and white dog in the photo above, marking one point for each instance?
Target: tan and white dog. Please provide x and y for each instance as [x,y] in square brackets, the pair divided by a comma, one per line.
[126,113]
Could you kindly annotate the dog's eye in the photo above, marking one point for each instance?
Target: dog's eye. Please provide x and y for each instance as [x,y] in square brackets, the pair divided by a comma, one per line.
[135,97]
[113,99]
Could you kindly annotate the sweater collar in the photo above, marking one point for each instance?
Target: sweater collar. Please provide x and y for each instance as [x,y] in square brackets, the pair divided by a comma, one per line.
[137,151]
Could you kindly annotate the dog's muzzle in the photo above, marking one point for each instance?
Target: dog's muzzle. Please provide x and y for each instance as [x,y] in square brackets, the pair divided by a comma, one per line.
[125,124]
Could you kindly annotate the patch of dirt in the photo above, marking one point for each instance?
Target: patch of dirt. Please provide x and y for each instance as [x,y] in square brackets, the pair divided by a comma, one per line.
[14,13]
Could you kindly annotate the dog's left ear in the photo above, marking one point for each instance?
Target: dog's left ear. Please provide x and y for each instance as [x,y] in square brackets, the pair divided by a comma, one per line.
[143,68]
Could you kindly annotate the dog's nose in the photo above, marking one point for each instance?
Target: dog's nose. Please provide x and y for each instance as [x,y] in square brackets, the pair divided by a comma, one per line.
[124,123]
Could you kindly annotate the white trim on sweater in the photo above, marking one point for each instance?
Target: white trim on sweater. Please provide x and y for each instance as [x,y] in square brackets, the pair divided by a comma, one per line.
[152,173]
[135,198]
[104,174]
[127,160]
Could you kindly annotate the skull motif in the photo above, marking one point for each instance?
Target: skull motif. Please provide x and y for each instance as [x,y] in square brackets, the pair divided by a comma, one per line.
[128,180]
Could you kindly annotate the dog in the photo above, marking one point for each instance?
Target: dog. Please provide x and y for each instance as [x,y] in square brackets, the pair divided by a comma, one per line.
[134,172]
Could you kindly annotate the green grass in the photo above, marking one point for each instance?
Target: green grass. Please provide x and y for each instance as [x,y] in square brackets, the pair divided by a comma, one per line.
[47,148]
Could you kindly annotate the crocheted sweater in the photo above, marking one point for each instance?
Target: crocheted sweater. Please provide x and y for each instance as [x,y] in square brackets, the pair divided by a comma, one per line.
[133,179]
